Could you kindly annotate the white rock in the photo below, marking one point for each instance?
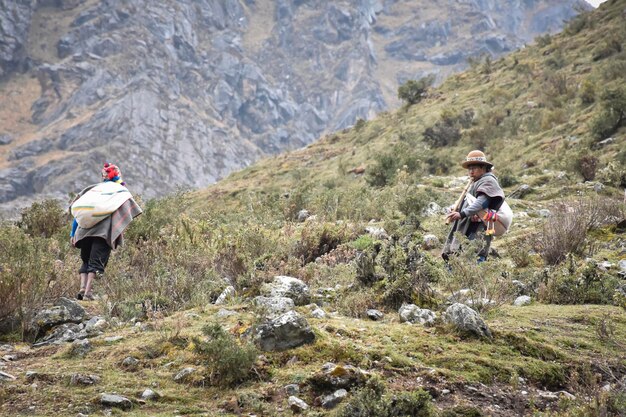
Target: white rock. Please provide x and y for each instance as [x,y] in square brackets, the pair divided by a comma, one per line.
[522,300]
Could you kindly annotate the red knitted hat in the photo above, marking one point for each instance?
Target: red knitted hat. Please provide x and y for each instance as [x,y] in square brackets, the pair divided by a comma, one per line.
[111,172]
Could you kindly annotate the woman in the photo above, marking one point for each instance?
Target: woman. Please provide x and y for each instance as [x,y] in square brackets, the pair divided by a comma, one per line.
[101,214]
[489,195]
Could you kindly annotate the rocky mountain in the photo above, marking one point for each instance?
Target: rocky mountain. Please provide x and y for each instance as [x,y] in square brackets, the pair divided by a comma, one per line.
[180,93]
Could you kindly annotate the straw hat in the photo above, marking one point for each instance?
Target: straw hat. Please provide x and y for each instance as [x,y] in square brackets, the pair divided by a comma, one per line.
[476,158]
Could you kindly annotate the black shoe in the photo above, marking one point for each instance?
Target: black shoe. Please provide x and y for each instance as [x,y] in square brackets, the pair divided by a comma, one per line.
[80,295]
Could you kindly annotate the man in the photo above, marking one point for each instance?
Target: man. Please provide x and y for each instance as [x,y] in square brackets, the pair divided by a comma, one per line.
[101,213]
[489,195]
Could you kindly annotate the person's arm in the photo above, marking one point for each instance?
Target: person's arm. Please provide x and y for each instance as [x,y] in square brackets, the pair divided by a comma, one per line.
[482,202]
[74,227]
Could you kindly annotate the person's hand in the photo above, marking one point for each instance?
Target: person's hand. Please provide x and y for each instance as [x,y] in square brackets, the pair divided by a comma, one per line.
[452,216]
[73,241]
[475,218]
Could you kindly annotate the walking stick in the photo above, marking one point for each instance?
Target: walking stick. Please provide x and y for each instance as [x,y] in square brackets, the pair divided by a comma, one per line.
[459,201]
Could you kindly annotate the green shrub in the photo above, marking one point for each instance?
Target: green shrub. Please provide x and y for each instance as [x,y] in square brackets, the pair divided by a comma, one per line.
[43,219]
[227,362]
[29,276]
[408,273]
[578,23]
[543,41]
[374,401]
[586,166]
[447,131]
[317,239]
[587,92]
[586,285]
[507,179]
[413,91]
[387,165]
[609,47]
[613,113]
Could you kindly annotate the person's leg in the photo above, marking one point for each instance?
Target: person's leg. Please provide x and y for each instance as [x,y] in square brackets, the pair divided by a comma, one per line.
[98,260]
[85,250]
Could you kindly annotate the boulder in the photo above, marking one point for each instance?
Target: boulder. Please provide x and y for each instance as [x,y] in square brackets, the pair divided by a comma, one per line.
[273,306]
[331,401]
[297,405]
[466,320]
[413,314]
[149,395]
[521,191]
[334,377]
[432,209]
[184,374]
[374,314]
[377,232]
[64,311]
[522,300]
[5,139]
[284,286]
[227,294]
[80,348]
[117,401]
[303,215]
[430,241]
[80,379]
[287,331]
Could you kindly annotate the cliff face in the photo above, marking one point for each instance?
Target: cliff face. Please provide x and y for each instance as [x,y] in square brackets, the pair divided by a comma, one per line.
[180,93]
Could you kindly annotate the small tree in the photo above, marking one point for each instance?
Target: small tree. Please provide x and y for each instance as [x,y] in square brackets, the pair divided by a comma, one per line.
[413,91]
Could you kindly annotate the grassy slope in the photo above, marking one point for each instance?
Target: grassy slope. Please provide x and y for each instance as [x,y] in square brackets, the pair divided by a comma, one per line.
[550,346]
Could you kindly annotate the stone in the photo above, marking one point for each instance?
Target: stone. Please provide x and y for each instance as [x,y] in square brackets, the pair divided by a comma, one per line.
[333,400]
[130,363]
[64,311]
[5,139]
[430,241]
[522,300]
[64,333]
[303,215]
[225,313]
[287,331]
[150,395]
[334,377]
[377,232]
[296,404]
[545,213]
[95,325]
[432,209]
[413,314]
[522,191]
[80,348]
[6,377]
[374,314]
[184,374]
[466,320]
[273,306]
[318,313]
[117,401]
[80,379]
[284,286]
[227,294]
[113,339]
[292,389]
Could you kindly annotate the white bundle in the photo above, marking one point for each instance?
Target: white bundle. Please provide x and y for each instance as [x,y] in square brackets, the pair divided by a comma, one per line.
[505,216]
[98,203]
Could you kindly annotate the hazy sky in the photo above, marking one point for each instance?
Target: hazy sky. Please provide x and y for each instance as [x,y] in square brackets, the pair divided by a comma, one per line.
[595,3]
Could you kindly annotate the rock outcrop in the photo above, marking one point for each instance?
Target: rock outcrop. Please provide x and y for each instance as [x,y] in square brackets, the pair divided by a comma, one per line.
[183,93]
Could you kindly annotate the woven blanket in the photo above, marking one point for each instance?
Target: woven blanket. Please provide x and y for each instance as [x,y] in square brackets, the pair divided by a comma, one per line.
[98,203]
[505,216]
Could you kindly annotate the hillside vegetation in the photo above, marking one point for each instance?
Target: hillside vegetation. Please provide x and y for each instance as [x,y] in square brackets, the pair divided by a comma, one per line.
[353,216]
